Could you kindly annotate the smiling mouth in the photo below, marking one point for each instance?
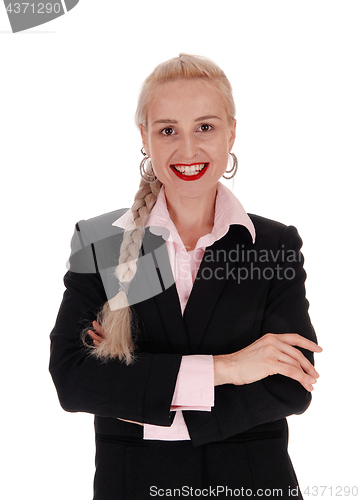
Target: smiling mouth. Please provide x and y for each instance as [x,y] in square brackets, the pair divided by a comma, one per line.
[190,172]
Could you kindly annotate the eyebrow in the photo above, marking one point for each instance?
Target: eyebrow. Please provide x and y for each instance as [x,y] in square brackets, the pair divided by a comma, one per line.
[207,117]
[202,118]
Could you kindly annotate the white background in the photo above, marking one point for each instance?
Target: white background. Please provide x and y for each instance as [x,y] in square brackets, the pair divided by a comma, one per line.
[70,151]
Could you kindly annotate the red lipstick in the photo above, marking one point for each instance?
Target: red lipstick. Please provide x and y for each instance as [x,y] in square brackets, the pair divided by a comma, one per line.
[193,177]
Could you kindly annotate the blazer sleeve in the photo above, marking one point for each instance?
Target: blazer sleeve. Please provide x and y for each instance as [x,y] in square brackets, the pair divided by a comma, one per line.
[140,392]
[240,408]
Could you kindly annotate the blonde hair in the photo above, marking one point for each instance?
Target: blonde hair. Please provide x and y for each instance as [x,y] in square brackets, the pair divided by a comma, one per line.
[184,67]
[116,316]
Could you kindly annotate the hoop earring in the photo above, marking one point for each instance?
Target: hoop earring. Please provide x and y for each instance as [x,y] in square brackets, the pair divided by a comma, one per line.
[233,169]
[150,178]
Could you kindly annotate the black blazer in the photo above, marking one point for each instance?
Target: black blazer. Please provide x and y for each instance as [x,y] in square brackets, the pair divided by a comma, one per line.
[242,291]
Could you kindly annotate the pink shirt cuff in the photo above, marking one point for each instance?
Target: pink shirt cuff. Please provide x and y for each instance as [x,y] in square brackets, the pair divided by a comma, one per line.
[194,390]
[176,432]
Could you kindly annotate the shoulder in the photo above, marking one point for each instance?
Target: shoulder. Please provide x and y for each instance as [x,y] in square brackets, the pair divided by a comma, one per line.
[271,232]
[100,227]
[95,243]
[264,224]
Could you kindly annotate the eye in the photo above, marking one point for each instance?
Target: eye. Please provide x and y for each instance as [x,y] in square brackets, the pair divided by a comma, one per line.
[168,131]
[205,127]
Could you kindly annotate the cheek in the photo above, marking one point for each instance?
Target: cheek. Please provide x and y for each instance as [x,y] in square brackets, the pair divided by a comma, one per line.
[222,144]
[159,166]
[221,154]
[160,156]
[156,159]
[156,149]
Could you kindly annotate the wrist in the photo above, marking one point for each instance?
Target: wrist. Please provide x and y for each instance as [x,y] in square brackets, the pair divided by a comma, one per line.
[221,372]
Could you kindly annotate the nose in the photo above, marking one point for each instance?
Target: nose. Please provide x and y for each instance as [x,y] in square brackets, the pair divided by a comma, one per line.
[188,147]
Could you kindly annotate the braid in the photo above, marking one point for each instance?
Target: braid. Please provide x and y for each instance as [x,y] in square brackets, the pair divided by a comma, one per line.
[133,234]
[116,317]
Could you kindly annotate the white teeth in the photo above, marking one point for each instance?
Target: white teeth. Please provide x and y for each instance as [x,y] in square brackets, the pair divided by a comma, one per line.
[189,169]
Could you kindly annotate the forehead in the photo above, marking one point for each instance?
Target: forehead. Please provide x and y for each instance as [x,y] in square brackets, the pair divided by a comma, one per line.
[185,99]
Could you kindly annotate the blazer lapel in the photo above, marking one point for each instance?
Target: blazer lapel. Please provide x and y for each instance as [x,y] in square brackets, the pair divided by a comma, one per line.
[209,284]
[154,275]
[170,311]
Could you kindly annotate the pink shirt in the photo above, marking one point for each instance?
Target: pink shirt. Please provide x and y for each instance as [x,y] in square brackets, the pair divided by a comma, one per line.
[194,388]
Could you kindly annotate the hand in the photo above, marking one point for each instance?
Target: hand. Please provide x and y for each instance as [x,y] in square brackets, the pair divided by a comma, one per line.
[98,337]
[271,354]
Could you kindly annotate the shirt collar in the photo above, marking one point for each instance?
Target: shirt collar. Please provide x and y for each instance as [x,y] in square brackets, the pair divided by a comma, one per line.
[228,211]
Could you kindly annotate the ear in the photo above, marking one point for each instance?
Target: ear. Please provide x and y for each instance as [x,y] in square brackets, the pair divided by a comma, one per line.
[232,134]
[143,132]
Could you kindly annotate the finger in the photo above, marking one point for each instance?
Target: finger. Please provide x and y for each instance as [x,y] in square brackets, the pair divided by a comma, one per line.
[289,370]
[290,361]
[276,343]
[308,387]
[299,341]
[298,356]
[94,336]
[283,358]
[99,329]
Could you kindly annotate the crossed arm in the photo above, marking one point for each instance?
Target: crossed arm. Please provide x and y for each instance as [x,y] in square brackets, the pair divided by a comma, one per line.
[265,381]
[270,355]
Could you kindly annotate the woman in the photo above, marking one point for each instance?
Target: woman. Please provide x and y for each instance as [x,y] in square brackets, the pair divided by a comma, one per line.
[202,342]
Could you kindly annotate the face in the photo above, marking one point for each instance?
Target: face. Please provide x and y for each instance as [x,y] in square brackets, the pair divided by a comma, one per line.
[188,138]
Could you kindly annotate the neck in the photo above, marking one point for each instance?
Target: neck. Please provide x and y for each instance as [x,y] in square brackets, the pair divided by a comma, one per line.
[193,217]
